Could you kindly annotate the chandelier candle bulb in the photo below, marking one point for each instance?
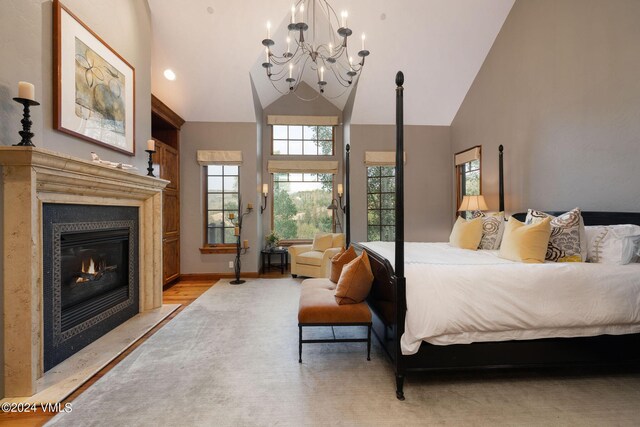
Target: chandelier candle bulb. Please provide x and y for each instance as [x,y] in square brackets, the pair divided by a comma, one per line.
[330,49]
[265,189]
[236,231]
[151,145]
[26,91]
[340,189]
[250,206]
[245,244]
[344,15]
[321,74]
[302,12]
[363,37]
[232,215]
[293,14]
[269,30]
[290,70]
[266,52]
[288,45]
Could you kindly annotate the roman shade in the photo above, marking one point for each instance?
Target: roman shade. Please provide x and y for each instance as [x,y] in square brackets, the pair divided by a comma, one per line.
[381,158]
[217,157]
[303,120]
[467,156]
[303,166]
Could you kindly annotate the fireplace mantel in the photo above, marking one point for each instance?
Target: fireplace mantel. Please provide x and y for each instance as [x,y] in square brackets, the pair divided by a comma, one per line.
[30,177]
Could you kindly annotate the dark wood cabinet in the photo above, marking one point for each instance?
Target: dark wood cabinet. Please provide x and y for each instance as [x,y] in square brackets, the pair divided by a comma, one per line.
[165,129]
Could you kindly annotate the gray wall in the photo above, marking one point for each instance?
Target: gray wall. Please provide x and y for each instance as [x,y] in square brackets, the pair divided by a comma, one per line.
[196,136]
[560,89]
[428,175]
[26,44]
[27,54]
[291,105]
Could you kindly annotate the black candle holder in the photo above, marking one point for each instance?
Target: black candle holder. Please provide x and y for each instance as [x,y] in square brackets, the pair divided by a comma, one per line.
[26,133]
[150,167]
[237,265]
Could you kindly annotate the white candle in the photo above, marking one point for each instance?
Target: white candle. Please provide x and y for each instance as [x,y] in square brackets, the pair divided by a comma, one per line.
[344,14]
[266,53]
[151,145]
[321,74]
[330,49]
[340,189]
[351,62]
[265,189]
[293,14]
[302,12]
[288,44]
[290,72]
[26,90]
[363,41]
[268,29]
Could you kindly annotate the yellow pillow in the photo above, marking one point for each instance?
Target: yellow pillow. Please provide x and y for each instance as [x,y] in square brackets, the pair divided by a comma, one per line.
[466,234]
[525,243]
[322,242]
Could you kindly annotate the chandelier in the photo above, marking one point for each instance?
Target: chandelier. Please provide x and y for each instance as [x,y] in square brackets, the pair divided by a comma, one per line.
[314,44]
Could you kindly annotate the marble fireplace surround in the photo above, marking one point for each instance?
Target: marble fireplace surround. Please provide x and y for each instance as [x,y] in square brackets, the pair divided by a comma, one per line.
[33,176]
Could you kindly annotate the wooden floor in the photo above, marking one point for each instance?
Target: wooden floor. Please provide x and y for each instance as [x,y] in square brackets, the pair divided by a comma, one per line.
[181,293]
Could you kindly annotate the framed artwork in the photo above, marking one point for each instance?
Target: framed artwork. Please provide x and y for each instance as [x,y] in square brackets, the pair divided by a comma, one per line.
[94,87]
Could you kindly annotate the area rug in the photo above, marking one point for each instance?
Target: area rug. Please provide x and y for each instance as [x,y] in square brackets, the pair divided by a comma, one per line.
[231,359]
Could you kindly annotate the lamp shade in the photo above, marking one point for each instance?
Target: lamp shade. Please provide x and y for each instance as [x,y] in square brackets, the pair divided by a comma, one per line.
[473,203]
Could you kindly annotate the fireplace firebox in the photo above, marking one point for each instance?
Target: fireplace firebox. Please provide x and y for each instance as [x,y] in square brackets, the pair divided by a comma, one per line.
[90,274]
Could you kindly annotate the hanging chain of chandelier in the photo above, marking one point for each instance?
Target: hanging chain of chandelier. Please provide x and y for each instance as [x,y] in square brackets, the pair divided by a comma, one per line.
[328,59]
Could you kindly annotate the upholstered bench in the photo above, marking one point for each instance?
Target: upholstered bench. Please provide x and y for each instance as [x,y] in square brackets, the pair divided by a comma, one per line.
[318,307]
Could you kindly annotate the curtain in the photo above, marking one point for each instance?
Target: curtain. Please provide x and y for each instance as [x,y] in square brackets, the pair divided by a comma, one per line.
[467,156]
[381,158]
[216,157]
[303,166]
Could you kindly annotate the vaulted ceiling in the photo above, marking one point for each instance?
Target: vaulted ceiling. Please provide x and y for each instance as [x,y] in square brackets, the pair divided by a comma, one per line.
[214,48]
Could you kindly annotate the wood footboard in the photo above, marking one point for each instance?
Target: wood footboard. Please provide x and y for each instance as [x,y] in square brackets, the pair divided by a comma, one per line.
[383,300]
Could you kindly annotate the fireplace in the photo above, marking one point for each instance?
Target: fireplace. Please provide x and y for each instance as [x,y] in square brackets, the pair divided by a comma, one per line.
[90,277]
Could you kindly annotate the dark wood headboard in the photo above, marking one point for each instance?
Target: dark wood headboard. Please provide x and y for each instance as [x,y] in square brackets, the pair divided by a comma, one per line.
[597,218]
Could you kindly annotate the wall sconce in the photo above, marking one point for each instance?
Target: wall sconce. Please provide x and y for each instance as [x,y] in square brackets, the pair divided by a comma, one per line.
[340,192]
[265,193]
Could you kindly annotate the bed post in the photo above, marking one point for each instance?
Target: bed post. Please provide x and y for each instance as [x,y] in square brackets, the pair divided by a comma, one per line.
[501,178]
[401,302]
[347,194]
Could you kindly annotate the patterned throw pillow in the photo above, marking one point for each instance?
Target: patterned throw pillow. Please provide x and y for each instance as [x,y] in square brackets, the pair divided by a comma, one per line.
[568,241]
[492,229]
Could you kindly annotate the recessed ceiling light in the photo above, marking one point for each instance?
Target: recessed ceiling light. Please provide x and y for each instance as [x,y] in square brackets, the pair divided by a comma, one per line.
[169,74]
[210,10]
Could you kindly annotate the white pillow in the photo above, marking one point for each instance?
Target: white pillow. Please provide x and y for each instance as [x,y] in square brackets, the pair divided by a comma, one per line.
[613,244]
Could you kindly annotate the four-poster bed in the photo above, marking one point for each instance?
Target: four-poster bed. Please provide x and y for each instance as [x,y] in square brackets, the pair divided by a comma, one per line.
[388,302]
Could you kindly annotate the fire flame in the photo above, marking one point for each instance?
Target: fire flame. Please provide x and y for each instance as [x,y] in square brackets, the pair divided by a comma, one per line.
[91,268]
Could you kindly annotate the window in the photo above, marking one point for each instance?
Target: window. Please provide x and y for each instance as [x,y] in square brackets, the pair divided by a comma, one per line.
[381,203]
[300,202]
[468,175]
[297,140]
[222,183]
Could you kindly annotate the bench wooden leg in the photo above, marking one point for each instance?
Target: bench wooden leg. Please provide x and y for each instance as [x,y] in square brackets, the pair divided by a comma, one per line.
[299,344]
[369,343]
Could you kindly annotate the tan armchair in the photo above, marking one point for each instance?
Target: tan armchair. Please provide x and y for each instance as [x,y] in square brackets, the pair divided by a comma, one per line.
[313,263]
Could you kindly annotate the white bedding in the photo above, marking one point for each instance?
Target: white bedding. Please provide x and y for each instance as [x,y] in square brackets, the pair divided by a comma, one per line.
[457,296]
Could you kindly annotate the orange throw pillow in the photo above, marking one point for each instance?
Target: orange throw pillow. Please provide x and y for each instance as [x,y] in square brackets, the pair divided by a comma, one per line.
[339,261]
[355,281]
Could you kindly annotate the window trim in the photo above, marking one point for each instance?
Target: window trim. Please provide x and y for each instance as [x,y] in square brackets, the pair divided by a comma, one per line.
[272,196]
[213,248]
[379,226]
[306,156]
[458,172]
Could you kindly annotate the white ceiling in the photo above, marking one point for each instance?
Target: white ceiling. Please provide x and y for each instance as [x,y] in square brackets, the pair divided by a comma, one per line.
[438,44]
